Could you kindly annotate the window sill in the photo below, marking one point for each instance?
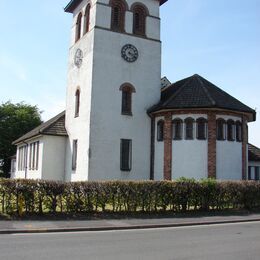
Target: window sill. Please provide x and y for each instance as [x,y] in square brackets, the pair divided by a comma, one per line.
[127,113]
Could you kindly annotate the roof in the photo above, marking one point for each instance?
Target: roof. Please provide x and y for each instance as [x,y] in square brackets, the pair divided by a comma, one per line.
[253,153]
[54,126]
[197,92]
[74,3]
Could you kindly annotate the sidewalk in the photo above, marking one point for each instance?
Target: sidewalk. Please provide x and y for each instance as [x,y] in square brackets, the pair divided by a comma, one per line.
[29,226]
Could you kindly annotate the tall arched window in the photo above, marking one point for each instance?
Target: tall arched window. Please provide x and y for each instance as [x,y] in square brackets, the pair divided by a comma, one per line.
[78,27]
[127,90]
[221,129]
[177,129]
[87,19]
[189,128]
[238,131]
[201,128]
[118,15]
[139,19]
[230,130]
[160,129]
[77,102]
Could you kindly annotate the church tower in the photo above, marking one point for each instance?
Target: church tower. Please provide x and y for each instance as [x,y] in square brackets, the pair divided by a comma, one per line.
[114,76]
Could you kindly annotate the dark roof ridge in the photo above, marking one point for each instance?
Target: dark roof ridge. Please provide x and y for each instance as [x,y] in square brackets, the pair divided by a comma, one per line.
[178,91]
[198,77]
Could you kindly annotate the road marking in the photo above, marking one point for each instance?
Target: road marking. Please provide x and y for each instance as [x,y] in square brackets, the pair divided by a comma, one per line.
[138,229]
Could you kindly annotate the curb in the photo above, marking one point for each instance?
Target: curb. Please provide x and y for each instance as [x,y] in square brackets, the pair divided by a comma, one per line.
[133,227]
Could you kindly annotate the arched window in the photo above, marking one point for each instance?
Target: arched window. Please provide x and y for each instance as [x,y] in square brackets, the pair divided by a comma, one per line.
[230,130]
[221,129]
[77,102]
[118,15]
[78,27]
[177,129]
[189,128]
[160,129]
[238,131]
[139,19]
[201,128]
[87,18]
[127,90]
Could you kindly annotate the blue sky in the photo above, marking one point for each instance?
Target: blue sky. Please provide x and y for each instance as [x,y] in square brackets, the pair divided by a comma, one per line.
[218,39]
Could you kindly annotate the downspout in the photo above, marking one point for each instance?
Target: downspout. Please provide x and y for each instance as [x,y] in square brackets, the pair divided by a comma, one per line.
[152,147]
[26,159]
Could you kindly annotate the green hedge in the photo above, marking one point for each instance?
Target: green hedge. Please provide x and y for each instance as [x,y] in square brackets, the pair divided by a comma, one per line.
[38,196]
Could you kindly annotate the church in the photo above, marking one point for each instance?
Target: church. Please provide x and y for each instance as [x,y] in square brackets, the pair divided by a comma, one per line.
[122,120]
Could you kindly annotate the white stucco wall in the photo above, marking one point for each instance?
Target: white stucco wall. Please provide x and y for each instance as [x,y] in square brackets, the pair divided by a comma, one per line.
[189,157]
[53,167]
[158,154]
[229,156]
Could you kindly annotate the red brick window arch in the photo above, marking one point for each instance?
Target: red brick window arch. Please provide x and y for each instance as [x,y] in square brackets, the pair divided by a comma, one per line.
[221,129]
[201,128]
[78,27]
[189,129]
[160,130]
[177,125]
[87,19]
[119,8]
[77,102]
[139,19]
[126,105]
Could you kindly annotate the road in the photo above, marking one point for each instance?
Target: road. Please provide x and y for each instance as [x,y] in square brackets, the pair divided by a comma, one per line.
[226,241]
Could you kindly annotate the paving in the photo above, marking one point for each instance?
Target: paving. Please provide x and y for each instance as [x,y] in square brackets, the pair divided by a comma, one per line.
[42,226]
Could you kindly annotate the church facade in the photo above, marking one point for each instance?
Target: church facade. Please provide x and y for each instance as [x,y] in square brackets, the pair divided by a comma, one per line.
[122,121]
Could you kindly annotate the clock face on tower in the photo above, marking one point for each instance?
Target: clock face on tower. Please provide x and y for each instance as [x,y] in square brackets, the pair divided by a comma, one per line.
[78,58]
[129,53]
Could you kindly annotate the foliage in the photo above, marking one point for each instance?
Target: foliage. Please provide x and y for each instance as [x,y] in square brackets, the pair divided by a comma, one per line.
[15,121]
[39,196]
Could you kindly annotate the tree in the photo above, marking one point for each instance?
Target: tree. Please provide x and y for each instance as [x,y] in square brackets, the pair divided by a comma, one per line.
[15,121]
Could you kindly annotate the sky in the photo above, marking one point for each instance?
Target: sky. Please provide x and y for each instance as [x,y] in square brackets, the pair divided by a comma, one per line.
[217,39]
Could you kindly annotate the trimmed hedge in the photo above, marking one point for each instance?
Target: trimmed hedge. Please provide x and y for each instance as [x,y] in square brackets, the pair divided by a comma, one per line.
[39,196]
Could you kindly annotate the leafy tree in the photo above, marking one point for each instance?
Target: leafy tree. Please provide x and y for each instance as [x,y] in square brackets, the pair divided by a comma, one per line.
[15,121]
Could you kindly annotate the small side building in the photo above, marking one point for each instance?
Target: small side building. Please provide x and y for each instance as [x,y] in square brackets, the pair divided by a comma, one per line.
[41,152]
[253,162]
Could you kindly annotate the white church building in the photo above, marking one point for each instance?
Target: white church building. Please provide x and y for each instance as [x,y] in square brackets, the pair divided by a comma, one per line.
[122,121]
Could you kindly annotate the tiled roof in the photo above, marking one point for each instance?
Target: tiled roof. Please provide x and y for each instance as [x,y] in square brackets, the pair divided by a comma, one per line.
[197,92]
[253,153]
[74,3]
[54,126]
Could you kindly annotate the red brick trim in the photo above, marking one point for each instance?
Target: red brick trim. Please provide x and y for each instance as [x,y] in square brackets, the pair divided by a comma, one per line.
[167,167]
[244,147]
[212,145]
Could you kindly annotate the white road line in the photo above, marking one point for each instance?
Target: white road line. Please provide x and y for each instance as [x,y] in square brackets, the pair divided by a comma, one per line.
[136,230]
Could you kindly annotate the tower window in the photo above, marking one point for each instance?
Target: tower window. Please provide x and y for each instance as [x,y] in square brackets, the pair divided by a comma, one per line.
[74,154]
[126,107]
[230,130]
[160,130]
[78,27]
[118,15]
[126,155]
[77,102]
[221,133]
[140,12]
[189,128]
[201,129]
[87,19]
[238,131]
[177,129]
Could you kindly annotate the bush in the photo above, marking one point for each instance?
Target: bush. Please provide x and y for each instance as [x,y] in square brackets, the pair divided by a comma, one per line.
[40,196]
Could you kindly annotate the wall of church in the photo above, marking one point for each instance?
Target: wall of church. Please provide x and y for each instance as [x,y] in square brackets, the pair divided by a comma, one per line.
[229,156]
[53,159]
[190,157]
[158,154]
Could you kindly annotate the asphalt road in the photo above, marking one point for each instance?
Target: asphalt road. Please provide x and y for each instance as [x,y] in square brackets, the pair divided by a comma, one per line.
[227,241]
